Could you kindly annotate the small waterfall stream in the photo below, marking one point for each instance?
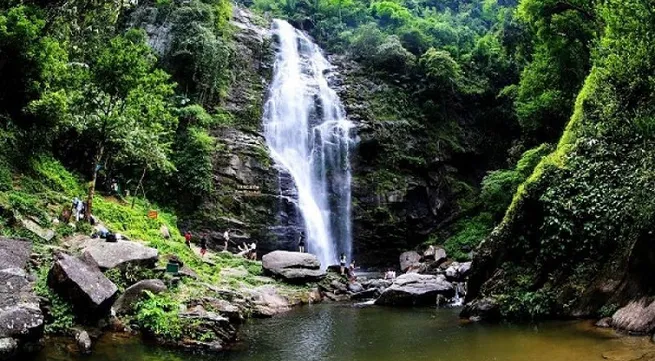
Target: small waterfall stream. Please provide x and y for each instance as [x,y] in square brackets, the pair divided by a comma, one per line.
[310,139]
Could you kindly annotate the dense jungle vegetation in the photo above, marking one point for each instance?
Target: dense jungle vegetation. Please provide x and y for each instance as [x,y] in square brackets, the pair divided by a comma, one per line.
[79,83]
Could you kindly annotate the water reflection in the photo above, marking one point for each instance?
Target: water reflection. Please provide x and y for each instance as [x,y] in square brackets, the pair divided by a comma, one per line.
[343,333]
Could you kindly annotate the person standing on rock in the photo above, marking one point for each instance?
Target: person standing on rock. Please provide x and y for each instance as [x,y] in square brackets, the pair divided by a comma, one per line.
[253,251]
[203,247]
[301,242]
[351,271]
[187,238]
[226,238]
[342,263]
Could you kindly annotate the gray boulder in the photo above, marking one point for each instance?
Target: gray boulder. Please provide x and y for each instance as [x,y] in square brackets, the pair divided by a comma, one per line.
[8,348]
[293,267]
[165,232]
[414,289]
[409,260]
[368,294]
[436,254]
[638,316]
[355,287]
[605,322]
[120,254]
[83,341]
[205,322]
[486,309]
[223,307]
[133,294]
[458,271]
[21,319]
[14,253]
[83,284]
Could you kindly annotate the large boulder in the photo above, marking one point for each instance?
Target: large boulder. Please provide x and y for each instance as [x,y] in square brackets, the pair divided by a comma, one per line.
[485,309]
[414,289]
[83,284]
[120,254]
[637,316]
[409,260]
[458,271]
[133,294]
[203,322]
[436,254]
[294,267]
[21,320]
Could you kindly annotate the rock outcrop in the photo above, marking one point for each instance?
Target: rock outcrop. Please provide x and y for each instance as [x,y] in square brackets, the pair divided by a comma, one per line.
[416,290]
[208,323]
[294,267]
[82,283]
[636,317]
[21,320]
[409,260]
[133,294]
[486,309]
[120,254]
[458,271]
[83,341]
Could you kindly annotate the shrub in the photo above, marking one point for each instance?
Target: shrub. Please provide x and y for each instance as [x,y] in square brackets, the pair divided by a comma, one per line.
[159,315]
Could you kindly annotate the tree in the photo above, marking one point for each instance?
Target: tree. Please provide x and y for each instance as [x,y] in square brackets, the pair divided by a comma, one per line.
[119,105]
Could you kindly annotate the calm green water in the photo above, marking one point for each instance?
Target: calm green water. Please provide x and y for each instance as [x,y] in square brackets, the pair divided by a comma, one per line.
[344,333]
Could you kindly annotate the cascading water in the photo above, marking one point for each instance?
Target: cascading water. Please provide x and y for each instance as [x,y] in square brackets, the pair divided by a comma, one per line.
[310,138]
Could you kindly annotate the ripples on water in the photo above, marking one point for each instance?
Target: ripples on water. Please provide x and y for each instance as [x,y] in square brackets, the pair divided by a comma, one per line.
[345,333]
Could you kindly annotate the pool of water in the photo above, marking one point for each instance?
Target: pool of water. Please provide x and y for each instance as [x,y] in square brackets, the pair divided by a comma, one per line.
[345,333]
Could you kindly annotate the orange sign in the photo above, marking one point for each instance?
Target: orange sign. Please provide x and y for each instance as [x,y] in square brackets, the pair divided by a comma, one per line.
[152,214]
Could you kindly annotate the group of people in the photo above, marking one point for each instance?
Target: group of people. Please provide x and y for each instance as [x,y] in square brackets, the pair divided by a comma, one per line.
[246,250]
[250,251]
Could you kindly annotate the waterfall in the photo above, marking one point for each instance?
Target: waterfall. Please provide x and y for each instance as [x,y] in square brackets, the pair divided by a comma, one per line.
[309,138]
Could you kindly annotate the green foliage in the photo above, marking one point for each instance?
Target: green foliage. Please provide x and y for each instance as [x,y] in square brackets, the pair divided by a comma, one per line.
[6,178]
[125,277]
[60,318]
[468,234]
[527,306]
[441,68]
[608,310]
[199,56]
[499,186]
[54,176]
[159,316]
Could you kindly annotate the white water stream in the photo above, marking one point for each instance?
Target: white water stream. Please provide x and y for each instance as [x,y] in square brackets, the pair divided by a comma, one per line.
[310,138]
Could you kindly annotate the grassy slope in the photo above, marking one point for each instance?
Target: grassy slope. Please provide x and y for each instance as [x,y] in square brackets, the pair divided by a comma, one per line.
[42,189]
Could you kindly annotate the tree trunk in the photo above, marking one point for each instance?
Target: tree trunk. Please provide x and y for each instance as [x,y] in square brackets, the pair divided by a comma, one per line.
[92,187]
[136,191]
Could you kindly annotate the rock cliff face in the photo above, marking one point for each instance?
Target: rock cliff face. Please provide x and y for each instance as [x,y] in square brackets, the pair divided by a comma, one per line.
[403,185]
[245,197]
[400,180]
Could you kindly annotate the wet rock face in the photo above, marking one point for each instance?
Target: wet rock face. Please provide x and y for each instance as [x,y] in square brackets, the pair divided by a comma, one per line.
[293,267]
[21,320]
[396,204]
[416,290]
[83,284]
